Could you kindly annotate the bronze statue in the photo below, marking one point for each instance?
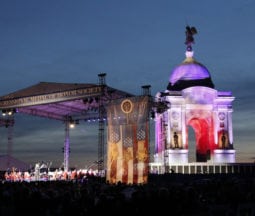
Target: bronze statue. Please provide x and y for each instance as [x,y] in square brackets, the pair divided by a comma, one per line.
[190,31]
[223,140]
[175,140]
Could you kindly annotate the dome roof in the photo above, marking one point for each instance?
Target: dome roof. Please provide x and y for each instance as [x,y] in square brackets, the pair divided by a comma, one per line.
[189,73]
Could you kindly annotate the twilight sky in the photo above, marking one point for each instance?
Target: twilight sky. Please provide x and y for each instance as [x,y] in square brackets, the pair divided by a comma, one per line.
[136,42]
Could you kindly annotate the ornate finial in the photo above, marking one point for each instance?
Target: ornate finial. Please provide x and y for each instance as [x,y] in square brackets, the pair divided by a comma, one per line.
[190,31]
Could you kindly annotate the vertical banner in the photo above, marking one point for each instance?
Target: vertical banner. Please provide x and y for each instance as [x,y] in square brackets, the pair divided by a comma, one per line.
[128,140]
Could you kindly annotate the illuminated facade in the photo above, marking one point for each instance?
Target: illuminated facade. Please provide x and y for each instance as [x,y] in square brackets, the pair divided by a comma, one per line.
[190,100]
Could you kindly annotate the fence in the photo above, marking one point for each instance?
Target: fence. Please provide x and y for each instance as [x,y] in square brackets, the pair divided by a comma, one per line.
[203,168]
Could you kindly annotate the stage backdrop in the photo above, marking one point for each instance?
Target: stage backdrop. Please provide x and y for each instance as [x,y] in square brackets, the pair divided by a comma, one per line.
[128,140]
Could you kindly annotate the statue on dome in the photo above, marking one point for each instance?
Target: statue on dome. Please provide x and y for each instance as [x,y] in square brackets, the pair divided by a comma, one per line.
[190,31]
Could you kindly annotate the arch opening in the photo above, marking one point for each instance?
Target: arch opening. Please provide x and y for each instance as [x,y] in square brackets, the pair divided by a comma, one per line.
[202,144]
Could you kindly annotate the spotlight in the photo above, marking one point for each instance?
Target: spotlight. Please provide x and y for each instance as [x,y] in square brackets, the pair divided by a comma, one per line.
[9,111]
[3,112]
[72,124]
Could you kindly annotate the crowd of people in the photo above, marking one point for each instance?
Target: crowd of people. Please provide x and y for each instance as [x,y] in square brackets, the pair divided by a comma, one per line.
[172,194]
[15,175]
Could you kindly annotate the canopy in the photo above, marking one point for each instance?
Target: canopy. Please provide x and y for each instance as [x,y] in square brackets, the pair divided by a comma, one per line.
[60,100]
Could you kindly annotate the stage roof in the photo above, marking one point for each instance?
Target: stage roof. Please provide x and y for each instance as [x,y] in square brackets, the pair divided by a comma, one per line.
[60,101]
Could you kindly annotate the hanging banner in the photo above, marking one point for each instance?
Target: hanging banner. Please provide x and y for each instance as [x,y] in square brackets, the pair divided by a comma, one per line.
[128,140]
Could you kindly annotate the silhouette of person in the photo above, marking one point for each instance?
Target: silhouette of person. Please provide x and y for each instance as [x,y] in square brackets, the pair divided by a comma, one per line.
[175,140]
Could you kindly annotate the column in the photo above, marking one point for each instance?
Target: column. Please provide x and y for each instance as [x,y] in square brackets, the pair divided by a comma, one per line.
[230,128]
[66,147]
[183,128]
[216,126]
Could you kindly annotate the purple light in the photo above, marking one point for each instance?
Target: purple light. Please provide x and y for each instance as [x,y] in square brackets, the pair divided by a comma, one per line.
[189,71]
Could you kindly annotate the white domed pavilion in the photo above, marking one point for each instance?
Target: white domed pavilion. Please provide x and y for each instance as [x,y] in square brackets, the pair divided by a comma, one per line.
[191,100]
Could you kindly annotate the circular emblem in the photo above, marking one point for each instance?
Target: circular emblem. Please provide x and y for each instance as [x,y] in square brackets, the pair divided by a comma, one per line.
[221,115]
[175,115]
[126,106]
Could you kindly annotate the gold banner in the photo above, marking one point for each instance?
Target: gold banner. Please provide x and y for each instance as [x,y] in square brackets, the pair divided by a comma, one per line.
[128,140]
